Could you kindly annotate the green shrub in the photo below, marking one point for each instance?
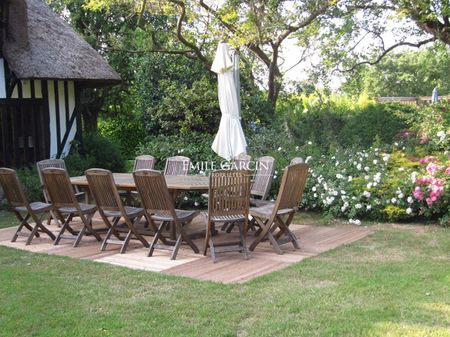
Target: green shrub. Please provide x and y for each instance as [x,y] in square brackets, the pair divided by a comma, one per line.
[100,152]
[381,122]
[30,180]
[333,122]
[125,130]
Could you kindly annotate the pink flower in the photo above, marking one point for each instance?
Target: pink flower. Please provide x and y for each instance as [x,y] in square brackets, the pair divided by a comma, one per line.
[432,168]
[447,170]
[418,194]
[426,159]
[424,139]
[429,201]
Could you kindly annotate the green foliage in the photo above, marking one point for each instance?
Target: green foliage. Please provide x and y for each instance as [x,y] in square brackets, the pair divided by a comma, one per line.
[100,152]
[29,179]
[330,122]
[408,73]
[125,130]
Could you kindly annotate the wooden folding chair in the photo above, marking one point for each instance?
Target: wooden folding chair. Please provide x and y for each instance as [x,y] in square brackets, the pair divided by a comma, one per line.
[66,205]
[229,195]
[242,162]
[146,162]
[261,184]
[19,204]
[109,205]
[159,206]
[177,166]
[54,163]
[262,180]
[274,219]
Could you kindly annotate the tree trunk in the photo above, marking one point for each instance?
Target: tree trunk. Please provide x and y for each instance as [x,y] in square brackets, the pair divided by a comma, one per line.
[274,80]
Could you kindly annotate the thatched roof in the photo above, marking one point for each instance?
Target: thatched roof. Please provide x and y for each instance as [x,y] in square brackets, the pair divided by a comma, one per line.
[40,45]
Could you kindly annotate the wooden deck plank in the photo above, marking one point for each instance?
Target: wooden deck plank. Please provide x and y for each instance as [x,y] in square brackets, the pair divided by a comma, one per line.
[229,268]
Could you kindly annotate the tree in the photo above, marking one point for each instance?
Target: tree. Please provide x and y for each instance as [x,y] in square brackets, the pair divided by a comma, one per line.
[407,73]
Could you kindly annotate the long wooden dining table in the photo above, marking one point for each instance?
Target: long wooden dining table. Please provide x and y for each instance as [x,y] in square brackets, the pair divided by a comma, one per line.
[124,181]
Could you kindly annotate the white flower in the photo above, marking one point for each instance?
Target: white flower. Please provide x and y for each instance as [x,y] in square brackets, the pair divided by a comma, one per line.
[359,167]
[401,169]
[358,206]
[350,178]
[314,189]
[401,195]
[305,110]
[396,144]
[366,177]
[196,203]
[339,176]
[343,192]
[279,149]
[441,135]
[366,168]
[375,161]
[410,200]
[369,207]
[274,177]
[386,157]
[369,186]
[315,195]
[185,198]
[366,194]
[308,159]
[408,210]
[413,177]
[337,163]
[297,147]
[356,221]
[309,143]
[393,200]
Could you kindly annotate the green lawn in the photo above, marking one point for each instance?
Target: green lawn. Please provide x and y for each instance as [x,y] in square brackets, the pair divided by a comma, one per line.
[7,219]
[395,282]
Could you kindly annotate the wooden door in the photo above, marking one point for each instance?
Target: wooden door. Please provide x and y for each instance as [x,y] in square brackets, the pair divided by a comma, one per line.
[25,133]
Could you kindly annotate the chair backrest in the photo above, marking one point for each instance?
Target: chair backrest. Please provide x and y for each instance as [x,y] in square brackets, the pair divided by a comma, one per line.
[144,162]
[229,193]
[242,162]
[152,188]
[292,187]
[104,190]
[177,166]
[12,188]
[47,163]
[262,179]
[58,186]
[297,160]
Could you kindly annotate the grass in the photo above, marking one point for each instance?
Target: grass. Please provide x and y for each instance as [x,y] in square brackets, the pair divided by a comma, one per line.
[7,219]
[395,282]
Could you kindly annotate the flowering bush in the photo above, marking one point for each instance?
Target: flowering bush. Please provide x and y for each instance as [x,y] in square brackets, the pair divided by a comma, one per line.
[379,185]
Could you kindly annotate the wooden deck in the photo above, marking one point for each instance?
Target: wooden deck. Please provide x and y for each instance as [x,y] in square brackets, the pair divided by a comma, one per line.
[229,268]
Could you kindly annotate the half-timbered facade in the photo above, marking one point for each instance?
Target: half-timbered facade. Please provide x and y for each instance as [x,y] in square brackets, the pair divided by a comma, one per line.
[44,65]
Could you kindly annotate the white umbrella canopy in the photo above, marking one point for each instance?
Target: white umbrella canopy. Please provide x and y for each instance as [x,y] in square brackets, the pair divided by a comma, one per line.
[230,140]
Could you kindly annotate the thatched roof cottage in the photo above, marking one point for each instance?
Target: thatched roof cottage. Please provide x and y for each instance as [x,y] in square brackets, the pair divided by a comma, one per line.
[44,64]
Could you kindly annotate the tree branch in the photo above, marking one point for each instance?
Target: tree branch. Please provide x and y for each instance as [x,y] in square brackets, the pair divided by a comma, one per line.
[182,39]
[385,52]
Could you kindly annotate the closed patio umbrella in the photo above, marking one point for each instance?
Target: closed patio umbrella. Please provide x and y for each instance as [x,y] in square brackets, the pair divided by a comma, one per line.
[230,140]
[434,95]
